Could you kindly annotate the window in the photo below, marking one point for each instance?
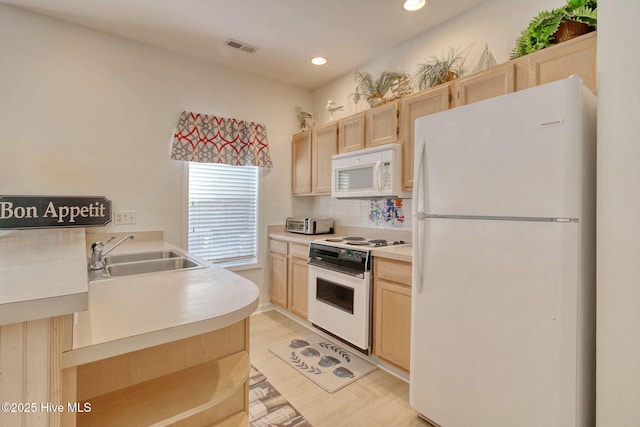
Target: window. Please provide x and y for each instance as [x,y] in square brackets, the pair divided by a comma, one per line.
[223,209]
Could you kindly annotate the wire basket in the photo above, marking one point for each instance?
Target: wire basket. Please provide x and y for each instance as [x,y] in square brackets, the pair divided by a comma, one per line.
[571,29]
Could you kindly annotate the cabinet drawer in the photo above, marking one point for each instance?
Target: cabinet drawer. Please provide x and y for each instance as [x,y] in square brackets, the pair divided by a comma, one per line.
[278,246]
[299,251]
[392,270]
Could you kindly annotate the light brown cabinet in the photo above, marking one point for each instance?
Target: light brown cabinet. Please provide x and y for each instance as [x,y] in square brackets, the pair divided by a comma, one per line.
[382,124]
[325,145]
[301,163]
[392,311]
[495,81]
[351,133]
[288,275]
[418,105]
[376,126]
[311,160]
[573,57]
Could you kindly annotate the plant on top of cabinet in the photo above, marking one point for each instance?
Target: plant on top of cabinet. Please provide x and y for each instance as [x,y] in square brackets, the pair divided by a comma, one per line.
[437,70]
[575,18]
[376,90]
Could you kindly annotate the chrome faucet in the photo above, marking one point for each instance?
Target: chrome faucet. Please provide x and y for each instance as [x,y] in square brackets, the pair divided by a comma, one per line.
[98,252]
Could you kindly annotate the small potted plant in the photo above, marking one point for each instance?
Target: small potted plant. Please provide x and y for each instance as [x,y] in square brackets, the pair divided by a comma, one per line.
[376,90]
[575,18]
[437,70]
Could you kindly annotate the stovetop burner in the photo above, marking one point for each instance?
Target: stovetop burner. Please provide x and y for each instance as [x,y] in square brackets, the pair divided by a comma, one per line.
[363,241]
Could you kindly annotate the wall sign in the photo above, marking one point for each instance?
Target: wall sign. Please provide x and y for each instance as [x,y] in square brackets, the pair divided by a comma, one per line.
[53,211]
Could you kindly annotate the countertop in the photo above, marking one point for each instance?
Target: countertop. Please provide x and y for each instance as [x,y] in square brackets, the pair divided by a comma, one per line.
[399,252]
[43,273]
[134,312]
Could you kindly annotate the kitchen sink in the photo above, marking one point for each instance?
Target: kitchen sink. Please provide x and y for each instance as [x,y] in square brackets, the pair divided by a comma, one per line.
[141,256]
[150,266]
[144,263]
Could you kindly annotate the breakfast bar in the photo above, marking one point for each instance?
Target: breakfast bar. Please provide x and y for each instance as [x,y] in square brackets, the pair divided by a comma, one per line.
[154,348]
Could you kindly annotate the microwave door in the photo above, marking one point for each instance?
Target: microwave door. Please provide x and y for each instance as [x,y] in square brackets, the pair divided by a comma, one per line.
[358,181]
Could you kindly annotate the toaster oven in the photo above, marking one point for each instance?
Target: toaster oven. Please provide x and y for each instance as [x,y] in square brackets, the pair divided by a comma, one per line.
[310,225]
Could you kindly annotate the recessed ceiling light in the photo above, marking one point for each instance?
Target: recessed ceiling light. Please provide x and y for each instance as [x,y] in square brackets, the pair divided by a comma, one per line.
[412,5]
[319,60]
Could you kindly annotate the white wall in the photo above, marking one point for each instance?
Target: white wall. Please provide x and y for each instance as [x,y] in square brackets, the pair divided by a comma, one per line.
[85,113]
[618,355]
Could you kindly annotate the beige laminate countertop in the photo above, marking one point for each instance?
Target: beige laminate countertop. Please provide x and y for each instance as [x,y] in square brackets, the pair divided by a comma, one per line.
[130,313]
[399,253]
[43,273]
[297,237]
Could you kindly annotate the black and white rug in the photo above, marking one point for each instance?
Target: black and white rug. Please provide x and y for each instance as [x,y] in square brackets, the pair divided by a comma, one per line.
[327,364]
[267,407]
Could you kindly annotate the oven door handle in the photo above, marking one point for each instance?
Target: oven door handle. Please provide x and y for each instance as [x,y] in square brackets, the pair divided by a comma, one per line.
[337,270]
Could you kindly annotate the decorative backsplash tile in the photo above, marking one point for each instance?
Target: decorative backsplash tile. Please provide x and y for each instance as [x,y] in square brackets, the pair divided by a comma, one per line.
[386,212]
[371,213]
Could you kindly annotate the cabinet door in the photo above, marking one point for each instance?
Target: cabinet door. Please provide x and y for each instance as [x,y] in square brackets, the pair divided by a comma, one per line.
[495,81]
[382,124]
[298,270]
[577,56]
[325,145]
[392,320]
[301,163]
[278,279]
[351,133]
[418,105]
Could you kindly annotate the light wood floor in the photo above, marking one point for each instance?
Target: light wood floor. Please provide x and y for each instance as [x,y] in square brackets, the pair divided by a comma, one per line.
[378,399]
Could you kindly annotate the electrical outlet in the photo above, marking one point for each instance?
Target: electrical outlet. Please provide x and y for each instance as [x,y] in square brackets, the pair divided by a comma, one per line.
[125,217]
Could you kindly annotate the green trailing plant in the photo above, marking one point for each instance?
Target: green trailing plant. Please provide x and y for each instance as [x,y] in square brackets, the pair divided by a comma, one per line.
[541,31]
[383,87]
[437,70]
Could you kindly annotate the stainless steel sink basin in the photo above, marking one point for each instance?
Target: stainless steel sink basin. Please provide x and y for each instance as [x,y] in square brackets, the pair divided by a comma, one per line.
[141,256]
[150,266]
[144,263]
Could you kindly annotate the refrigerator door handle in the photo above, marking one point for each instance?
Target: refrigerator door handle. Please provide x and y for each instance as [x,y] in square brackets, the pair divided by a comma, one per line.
[419,197]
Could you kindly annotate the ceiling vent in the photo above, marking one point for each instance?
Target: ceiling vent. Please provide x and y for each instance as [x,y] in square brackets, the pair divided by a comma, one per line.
[241,46]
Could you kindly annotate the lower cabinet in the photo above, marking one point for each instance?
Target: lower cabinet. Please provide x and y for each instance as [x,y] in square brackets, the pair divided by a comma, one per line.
[288,275]
[392,311]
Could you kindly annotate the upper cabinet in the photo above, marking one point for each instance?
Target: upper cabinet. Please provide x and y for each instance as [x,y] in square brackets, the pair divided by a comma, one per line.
[573,57]
[311,153]
[381,124]
[495,81]
[376,126]
[325,145]
[418,105]
[301,163]
[351,133]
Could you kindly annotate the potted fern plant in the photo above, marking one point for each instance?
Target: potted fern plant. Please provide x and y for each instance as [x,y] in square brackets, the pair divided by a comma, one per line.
[575,18]
[383,87]
[437,70]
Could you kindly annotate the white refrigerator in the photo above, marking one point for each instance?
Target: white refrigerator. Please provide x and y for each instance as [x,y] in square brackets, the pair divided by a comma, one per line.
[503,296]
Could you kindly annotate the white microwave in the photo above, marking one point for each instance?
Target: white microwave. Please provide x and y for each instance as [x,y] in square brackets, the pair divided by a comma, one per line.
[372,172]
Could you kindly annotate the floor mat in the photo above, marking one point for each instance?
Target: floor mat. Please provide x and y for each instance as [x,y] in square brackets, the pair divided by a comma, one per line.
[323,362]
[267,407]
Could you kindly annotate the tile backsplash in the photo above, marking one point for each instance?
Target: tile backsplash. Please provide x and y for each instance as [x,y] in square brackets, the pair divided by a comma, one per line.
[371,213]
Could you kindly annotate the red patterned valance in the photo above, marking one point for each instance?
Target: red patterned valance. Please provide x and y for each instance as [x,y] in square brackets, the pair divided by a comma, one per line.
[210,139]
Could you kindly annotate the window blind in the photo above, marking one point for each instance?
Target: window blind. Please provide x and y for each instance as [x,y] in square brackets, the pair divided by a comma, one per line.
[223,204]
